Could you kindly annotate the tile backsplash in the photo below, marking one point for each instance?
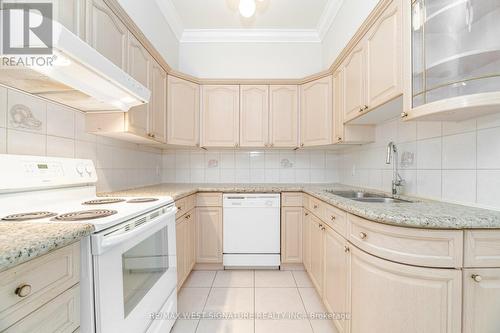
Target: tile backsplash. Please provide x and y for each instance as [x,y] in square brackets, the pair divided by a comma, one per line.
[33,126]
[237,166]
[450,161]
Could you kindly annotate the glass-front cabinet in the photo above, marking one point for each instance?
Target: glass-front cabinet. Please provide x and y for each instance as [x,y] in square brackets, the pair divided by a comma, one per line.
[453,65]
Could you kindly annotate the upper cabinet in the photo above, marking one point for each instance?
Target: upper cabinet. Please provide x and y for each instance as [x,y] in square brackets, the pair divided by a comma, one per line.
[316,112]
[354,83]
[220,116]
[452,59]
[283,116]
[106,33]
[254,116]
[158,104]
[183,109]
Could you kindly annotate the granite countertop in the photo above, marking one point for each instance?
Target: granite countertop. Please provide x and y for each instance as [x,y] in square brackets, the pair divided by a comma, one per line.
[23,241]
[419,213]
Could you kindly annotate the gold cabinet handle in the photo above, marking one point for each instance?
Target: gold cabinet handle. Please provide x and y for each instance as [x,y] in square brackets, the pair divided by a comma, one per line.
[236,145]
[363,235]
[366,107]
[320,226]
[315,206]
[339,138]
[23,290]
[188,216]
[271,145]
[323,229]
[306,214]
[477,277]
[333,217]
[404,114]
[347,249]
[302,145]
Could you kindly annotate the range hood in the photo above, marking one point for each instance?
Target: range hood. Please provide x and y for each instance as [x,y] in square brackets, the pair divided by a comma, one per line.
[77,76]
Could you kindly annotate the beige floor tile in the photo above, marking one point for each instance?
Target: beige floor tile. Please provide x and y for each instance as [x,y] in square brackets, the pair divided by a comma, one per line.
[230,300]
[283,326]
[274,279]
[226,326]
[192,299]
[185,326]
[271,300]
[312,301]
[302,279]
[238,279]
[200,279]
[323,326]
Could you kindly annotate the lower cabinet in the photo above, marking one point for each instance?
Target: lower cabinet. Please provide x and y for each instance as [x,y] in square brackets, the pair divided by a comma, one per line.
[317,254]
[306,240]
[209,235]
[393,298]
[185,232]
[291,235]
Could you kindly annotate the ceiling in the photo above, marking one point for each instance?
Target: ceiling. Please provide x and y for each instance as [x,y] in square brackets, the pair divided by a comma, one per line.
[275,20]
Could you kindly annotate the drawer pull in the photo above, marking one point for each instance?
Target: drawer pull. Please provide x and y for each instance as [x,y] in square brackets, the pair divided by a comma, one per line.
[477,277]
[23,290]
[363,235]
[306,214]
[188,216]
[346,249]
[332,218]
[320,226]
[323,229]
[315,206]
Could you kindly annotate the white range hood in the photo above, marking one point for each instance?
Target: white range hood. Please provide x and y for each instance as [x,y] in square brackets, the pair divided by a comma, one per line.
[78,76]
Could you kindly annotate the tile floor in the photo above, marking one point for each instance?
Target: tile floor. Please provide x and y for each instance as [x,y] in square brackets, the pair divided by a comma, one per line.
[250,292]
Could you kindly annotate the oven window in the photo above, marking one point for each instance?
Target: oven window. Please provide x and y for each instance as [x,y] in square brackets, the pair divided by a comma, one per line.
[143,265]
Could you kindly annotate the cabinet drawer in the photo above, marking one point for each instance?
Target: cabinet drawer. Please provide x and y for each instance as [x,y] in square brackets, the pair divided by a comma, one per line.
[209,200]
[336,219]
[316,207]
[482,248]
[420,247]
[291,199]
[47,276]
[61,315]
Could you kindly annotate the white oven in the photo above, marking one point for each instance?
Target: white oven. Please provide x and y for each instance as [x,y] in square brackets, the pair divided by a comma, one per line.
[135,274]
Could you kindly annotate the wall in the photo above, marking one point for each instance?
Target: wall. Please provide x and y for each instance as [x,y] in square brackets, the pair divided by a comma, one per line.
[454,162]
[59,131]
[228,166]
[250,60]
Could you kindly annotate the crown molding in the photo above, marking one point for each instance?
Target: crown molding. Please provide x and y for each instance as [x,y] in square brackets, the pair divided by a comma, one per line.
[250,36]
[169,11]
[329,14]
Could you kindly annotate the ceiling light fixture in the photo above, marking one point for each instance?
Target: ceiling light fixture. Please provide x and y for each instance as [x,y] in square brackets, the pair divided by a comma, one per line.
[247,8]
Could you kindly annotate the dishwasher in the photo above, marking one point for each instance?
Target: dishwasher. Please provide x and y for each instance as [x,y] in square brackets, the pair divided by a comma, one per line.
[251,231]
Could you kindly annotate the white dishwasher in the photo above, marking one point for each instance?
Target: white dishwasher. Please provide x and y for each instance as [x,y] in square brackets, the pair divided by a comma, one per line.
[251,230]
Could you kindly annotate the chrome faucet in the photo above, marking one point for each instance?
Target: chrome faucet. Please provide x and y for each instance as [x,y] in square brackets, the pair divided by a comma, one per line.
[392,154]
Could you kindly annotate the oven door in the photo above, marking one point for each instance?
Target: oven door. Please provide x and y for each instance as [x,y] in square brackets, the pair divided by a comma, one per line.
[134,272]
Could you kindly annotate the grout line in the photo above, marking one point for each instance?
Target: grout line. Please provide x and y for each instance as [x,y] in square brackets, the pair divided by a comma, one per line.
[254,303]
[206,301]
[306,310]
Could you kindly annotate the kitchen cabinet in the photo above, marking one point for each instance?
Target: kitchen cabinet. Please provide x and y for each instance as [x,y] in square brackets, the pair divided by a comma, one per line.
[158,103]
[183,110]
[254,116]
[316,112]
[291,235]
[317,255]
[209,235]
[393,298]
[191,241]
[451,59]
[354,83]
[106,33]
[220,116]
[481,300]
[181,234]
[306,240]
[336,278]
[283,116]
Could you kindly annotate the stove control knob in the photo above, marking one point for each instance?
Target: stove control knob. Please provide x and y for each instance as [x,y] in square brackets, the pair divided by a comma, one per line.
[89,170]
[80,170]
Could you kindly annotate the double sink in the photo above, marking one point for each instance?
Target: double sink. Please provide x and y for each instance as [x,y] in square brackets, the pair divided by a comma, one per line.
[367,197]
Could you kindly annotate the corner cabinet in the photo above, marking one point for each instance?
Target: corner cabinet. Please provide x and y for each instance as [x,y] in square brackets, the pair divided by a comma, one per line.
[316,112]
[254,116]
[283,116]
[220,115]
[183,109]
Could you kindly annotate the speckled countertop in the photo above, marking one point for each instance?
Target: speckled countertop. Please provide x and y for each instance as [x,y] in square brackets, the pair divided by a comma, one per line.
[418,214]
[23,241]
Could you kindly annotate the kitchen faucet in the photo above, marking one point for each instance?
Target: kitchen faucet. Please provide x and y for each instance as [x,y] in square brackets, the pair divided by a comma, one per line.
[397,181]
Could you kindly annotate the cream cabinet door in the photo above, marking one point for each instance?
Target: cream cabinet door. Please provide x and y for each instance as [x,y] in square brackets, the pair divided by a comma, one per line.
[181,235]
[338,111]
[283,117]
[306,240]
[354,83]
[158,103]
[316,112]
[254,116]
[220,115]
[481,300]
[106,33]
[393,298]
[384,72]
[209,235]
[336,278]
[291,235]
[183,110]
[191,240]
[317,254]
[139,67]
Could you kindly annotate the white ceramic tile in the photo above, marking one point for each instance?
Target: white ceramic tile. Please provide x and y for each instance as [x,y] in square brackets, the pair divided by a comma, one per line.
[228,325]
[318,160]
[234,300]
[302,159]
[3,141]
[488,188]
[242,176]
[488,148]
[429,154]
[60,121]
[185,326]
[386,132]
[80,132]
[408,155]
[182,159]
[272,175]
[407,131]
[242,160]
[287,175]
[489,121]
[31,114]
[429,129]
[459,151]
[3,107]
[227,160]
[168,176]
[278,300]
[287,159]
[318,175]
[410,184]
[200,279]
[60,147]
[429,184]
[227,175]
[459,186]
[105,155]
[272,160]
[197,175]
[212,160]
[302,279]
[274,279]
[168,160]
[197,160]
[257,160]
[283,326]
[258,175]
[303,175]
[182,175]
[212,176]
[26,143]
[450,128]
[314,305]
[234,279]
[192,299]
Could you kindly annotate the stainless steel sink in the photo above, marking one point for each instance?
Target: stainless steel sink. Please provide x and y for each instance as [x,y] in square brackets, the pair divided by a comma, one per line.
[366,197]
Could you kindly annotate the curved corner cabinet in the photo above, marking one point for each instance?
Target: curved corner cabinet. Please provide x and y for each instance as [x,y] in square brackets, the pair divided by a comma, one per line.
[452,59]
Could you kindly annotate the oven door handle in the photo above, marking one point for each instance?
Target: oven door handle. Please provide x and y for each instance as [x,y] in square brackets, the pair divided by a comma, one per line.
[103,243]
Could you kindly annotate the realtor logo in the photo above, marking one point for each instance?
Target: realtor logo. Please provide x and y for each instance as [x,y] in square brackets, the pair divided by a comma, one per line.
[24,33]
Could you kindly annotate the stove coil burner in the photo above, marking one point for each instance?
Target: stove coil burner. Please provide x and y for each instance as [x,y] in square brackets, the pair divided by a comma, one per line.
[142,200]
[28,216]
[85,215]
[103,201]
